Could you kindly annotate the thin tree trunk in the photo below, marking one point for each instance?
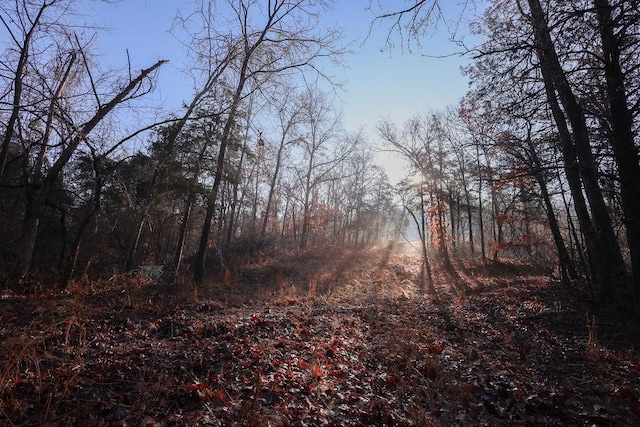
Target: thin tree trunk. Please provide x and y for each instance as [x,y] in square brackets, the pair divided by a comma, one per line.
[186,216]
[74,251]
[272,187]
[199,262]
[28,235]
[496,222]
[452,216]
[425,255]
[254,209]
[284,218]
[304,237]
[567,267]
[129,262]
[182,233]
[480,208]
[442,233]
[16,103]
[293,223]
[585,261]
[467,195]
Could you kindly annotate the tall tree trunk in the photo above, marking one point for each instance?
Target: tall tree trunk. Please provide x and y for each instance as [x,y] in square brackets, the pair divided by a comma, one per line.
[426,264]
[182,234]
[256,195]
[442,232]
[304,236]
[615,286]
[284,218]
[233,208]
[578,251]
[452,218]
[16,103]
[467,197]
[496,221]
[249,48]
[231,221]
[567,268]
[130,261]
[294,229]
[426,278]
[199,262]
[186,216]
[621,134]
[36,199]
[28,234]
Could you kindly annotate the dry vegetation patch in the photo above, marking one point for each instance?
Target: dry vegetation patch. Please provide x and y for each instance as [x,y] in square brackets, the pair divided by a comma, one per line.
[343,339]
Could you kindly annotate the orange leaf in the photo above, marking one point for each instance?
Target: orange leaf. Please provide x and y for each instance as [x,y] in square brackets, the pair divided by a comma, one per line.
[317,372]
[436,348]
[338,373]
[197,386]
[303,330]
[303,364]
[221,395]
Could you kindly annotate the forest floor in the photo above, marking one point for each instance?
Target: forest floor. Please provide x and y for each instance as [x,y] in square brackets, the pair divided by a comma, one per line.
[322,338]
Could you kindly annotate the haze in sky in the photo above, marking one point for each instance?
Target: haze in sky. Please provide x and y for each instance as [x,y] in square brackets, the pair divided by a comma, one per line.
[394,83]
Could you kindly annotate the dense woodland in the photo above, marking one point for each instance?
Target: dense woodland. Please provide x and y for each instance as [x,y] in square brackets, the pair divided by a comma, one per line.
[537,166]
[542,152]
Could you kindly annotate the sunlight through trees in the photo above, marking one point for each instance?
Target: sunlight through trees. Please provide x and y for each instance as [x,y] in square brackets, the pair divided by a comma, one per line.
[538,162]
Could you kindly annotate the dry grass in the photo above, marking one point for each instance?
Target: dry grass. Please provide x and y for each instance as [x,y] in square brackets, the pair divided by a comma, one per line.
[47,354]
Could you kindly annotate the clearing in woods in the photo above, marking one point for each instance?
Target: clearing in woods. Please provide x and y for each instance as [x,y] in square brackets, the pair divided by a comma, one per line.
[330,337]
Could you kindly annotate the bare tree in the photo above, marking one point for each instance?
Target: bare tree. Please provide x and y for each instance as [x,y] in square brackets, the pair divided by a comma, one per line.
[289,110]
[52,114]
[325,147]
[263,41]
[413,199]
[558,89]
[420,142]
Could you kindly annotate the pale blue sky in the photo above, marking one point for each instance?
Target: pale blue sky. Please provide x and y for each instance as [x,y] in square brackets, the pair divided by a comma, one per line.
[395,84]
